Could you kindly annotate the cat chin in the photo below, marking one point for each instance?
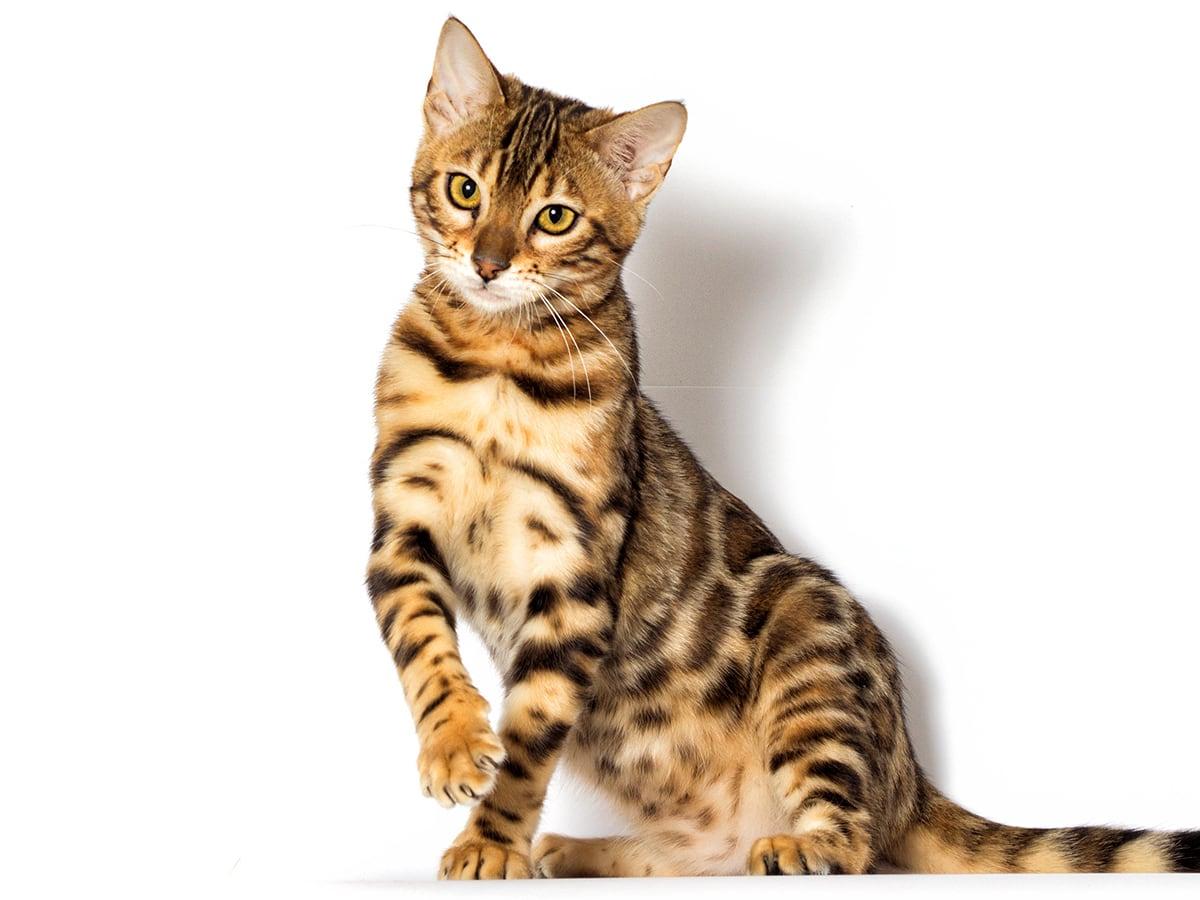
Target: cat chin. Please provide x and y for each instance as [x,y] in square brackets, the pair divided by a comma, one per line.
[493,307]
[488,300]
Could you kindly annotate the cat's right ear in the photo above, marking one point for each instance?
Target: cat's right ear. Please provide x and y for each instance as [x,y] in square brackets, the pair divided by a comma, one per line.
[464,80]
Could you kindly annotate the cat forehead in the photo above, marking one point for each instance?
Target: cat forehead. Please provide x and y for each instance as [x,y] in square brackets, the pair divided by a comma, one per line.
[517,144]
[528,145]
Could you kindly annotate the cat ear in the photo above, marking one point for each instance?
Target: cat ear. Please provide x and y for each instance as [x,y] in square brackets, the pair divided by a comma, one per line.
[464,80]
[639,146]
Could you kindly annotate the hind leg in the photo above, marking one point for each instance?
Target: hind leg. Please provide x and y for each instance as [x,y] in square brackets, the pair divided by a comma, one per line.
[820,724]
[558,856]
[820,787]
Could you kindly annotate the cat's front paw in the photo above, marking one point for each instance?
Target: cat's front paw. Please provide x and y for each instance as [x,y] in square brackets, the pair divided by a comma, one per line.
[459,760]
[473,860]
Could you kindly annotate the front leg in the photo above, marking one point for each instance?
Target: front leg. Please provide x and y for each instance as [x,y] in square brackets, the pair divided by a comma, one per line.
[414,603]
[567,630]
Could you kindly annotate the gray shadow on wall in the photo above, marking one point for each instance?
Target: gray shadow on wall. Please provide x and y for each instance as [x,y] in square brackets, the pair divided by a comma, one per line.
[732,278]
[919,688]
[733,281]
[738,288]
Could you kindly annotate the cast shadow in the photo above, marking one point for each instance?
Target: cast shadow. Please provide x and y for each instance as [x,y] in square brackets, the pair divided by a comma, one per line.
[736,289]
[732,277]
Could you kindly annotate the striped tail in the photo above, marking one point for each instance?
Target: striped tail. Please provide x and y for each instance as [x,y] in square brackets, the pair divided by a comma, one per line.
[945,838]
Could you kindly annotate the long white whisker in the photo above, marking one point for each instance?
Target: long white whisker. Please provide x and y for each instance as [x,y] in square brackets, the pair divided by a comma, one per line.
[582,357]
[599,330]
[563,330]
[570,359]
[423,237]
[623,268]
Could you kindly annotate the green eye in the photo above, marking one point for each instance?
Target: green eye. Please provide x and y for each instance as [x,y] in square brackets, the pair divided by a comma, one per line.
[556,219]
[463,191]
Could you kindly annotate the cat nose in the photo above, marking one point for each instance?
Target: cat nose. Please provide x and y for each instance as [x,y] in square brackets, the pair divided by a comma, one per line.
[488,267]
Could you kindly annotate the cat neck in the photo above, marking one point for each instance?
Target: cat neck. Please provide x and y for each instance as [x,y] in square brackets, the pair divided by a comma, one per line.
[552,338]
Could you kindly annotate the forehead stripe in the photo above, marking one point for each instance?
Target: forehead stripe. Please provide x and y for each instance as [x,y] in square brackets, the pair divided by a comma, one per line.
[529,144]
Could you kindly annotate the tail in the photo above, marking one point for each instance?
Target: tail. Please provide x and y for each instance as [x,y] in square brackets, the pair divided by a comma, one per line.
[944,837]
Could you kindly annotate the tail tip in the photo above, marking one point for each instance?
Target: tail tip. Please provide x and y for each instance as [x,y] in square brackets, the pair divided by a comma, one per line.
[1186,851]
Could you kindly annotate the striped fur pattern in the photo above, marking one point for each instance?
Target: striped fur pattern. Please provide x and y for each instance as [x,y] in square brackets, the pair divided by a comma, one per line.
[734,700]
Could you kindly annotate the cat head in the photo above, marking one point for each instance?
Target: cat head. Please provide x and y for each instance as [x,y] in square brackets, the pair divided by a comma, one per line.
[522,194]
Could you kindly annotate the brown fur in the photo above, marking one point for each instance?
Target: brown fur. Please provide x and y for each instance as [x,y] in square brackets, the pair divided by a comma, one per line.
[735,701]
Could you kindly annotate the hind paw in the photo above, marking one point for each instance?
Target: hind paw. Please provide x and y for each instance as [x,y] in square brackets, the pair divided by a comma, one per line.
[790,854]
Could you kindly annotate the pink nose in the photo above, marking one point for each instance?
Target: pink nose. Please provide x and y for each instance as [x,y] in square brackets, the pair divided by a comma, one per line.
[488,267]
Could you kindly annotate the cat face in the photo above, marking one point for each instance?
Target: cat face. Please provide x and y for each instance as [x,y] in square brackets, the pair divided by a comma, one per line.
[523,196]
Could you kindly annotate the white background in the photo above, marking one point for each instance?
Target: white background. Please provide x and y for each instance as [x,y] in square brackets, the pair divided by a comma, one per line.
[927,298]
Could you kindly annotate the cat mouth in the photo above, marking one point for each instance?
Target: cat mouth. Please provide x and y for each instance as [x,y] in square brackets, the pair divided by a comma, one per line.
[496,296]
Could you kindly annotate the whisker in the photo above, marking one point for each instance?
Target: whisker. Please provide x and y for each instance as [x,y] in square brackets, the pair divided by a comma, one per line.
[423,237]
[518,319]
[599,330]
[439,290]
[570,359]
[582,356]
[623,268]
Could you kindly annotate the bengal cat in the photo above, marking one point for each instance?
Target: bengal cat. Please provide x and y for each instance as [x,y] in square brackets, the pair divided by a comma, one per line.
[733,700]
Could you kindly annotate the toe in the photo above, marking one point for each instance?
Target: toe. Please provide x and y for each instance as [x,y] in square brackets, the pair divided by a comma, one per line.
[544,853]
[482,860]
[778,855]
[516,866]
[762,856]
[492,861]
[788,858]
[460,767]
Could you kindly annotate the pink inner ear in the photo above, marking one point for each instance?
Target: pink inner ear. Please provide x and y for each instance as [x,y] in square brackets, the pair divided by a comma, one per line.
[623,145]
[623,149]
[641,144]
[464,80]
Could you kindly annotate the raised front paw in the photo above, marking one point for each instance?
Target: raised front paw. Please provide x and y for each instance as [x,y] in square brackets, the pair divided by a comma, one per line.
[459,760]
[789,854]
[473,860]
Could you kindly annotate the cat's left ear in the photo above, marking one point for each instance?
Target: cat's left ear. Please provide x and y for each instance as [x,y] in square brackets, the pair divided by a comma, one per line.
[640,145]
[464,80]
